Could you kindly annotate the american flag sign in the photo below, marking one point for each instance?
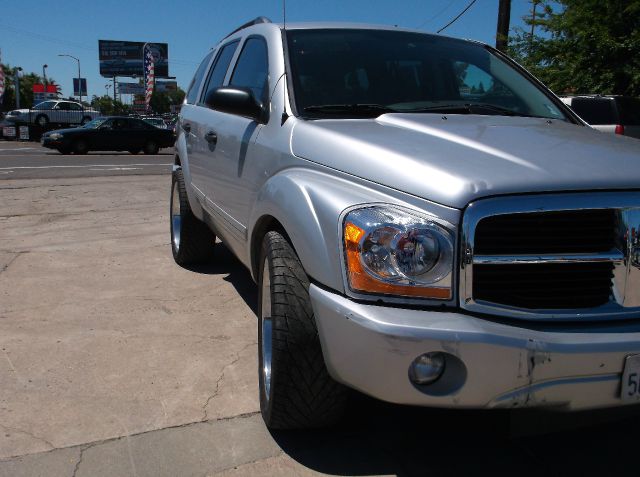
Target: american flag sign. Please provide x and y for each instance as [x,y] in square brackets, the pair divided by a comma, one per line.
[149,74]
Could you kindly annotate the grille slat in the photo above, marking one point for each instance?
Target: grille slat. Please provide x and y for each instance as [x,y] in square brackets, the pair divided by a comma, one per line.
[545,285]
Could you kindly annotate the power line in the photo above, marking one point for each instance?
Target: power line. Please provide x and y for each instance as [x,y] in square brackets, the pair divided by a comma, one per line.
[459,15]
[429,20]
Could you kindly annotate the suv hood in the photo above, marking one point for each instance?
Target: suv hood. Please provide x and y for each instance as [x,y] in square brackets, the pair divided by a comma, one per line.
[454,159]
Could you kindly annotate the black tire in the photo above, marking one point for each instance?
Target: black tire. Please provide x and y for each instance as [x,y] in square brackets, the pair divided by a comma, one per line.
[192,242]
[42,120]
[64,150]
[151,147]
[134,151]
[300,394]
[80,147]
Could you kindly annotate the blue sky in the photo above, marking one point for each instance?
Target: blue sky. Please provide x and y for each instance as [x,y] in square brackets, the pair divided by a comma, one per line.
[34,33]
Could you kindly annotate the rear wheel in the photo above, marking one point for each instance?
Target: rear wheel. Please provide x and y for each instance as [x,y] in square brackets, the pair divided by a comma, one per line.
[64,150]
[134,151]
[42,120]
[296,391]
[80,146]
[191,240]
[151,147]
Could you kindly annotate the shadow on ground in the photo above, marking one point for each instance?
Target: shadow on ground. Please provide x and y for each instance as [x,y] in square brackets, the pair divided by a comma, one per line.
[380,438]
[225,263]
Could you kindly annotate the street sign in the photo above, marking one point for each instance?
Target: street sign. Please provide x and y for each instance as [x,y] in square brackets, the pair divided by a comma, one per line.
[76,89]
[124,58]
[166,86]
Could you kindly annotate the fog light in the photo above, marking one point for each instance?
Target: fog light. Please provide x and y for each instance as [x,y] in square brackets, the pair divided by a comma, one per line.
[427,368]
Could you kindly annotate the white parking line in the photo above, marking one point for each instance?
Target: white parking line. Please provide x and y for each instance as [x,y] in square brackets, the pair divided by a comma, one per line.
[21,149]
[118,169]
[81,167]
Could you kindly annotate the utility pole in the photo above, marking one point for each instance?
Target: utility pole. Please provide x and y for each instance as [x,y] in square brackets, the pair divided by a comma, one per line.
[16,74]
[114,89]
[502,31]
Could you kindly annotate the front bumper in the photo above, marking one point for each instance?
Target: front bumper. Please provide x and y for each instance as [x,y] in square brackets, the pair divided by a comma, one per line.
[490,365]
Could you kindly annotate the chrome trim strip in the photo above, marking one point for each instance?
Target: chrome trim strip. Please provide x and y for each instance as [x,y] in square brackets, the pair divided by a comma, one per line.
[614,256]
[625,286]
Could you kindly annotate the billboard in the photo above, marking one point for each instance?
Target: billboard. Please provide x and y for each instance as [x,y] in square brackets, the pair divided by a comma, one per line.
[124,58]
[130,88]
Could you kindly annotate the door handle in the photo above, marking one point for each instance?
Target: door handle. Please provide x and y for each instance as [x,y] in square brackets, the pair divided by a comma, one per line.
[186,127]
[211,137]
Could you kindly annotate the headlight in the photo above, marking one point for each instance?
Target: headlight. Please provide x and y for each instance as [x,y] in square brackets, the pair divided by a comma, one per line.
[393,251]
[55,136]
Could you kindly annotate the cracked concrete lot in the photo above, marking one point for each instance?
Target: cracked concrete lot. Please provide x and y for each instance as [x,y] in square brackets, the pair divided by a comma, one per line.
[114,361]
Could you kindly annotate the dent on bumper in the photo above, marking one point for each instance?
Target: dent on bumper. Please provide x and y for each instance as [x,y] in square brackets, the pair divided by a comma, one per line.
[370,348]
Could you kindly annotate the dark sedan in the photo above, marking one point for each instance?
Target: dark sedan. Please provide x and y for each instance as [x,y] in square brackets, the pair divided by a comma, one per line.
[110,134]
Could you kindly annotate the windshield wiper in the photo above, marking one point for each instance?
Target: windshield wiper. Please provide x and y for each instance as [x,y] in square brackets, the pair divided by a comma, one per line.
[359,109]
[469,108]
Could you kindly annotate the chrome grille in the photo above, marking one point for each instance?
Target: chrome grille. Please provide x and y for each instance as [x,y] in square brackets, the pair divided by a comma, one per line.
[568,256]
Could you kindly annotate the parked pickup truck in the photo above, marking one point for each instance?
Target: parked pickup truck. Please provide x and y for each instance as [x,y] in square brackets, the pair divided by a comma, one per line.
[425,221]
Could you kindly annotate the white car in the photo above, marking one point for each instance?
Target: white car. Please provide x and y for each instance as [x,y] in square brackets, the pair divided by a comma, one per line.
[55,112]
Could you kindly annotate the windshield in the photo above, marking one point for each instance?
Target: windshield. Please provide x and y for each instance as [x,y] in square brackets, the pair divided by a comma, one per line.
[345,73]
[95,123]
[45,105]
[155,122]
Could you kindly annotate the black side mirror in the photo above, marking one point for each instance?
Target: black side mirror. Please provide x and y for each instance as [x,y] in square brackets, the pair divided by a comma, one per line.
[235,100]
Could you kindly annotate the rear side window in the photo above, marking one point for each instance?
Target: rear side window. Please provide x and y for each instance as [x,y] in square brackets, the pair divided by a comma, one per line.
[252,68]
[219,70]
[595,111]
[629,111]
[192,92]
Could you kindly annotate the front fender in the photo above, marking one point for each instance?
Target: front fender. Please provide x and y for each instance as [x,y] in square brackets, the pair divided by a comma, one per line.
[308,204]
[183,156]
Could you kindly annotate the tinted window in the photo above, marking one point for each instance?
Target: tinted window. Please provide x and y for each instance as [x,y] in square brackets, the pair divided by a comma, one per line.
[252,68]
[405,71]
[219,70]
[192,92]
[64,106]
[45,105]
[74,107]
[629,111]
[137,124]
[594,111]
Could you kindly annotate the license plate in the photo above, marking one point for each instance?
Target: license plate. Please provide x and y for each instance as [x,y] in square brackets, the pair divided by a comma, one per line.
[631,379]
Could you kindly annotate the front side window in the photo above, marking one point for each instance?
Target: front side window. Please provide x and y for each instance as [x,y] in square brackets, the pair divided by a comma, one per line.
[219,70]
[252,68]
[194,86]
[356,73]
[74,107]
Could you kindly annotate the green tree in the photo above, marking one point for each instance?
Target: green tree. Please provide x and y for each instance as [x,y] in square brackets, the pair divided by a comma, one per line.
[27,80]
[161,102]
[583,46]
[107,106]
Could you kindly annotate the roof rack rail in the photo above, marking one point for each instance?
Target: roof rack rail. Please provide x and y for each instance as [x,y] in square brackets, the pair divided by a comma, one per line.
[255,21]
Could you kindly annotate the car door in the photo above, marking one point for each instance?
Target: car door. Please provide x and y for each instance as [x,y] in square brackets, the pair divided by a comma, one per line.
[234,137]
[106,137]
[74,113]
[197,120]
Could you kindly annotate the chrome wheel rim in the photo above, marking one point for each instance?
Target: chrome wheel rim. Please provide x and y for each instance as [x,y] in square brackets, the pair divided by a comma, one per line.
[176,220]
[267,325]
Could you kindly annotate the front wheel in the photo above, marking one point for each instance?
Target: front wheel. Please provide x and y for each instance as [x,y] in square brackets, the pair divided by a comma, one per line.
[191,240]
[296,391]
[80,147]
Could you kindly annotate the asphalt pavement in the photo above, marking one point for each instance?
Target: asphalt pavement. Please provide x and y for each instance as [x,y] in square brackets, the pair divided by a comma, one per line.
[114,361]
[29,160]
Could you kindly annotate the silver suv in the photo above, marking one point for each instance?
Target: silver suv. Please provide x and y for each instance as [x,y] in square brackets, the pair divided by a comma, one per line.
[426,222]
